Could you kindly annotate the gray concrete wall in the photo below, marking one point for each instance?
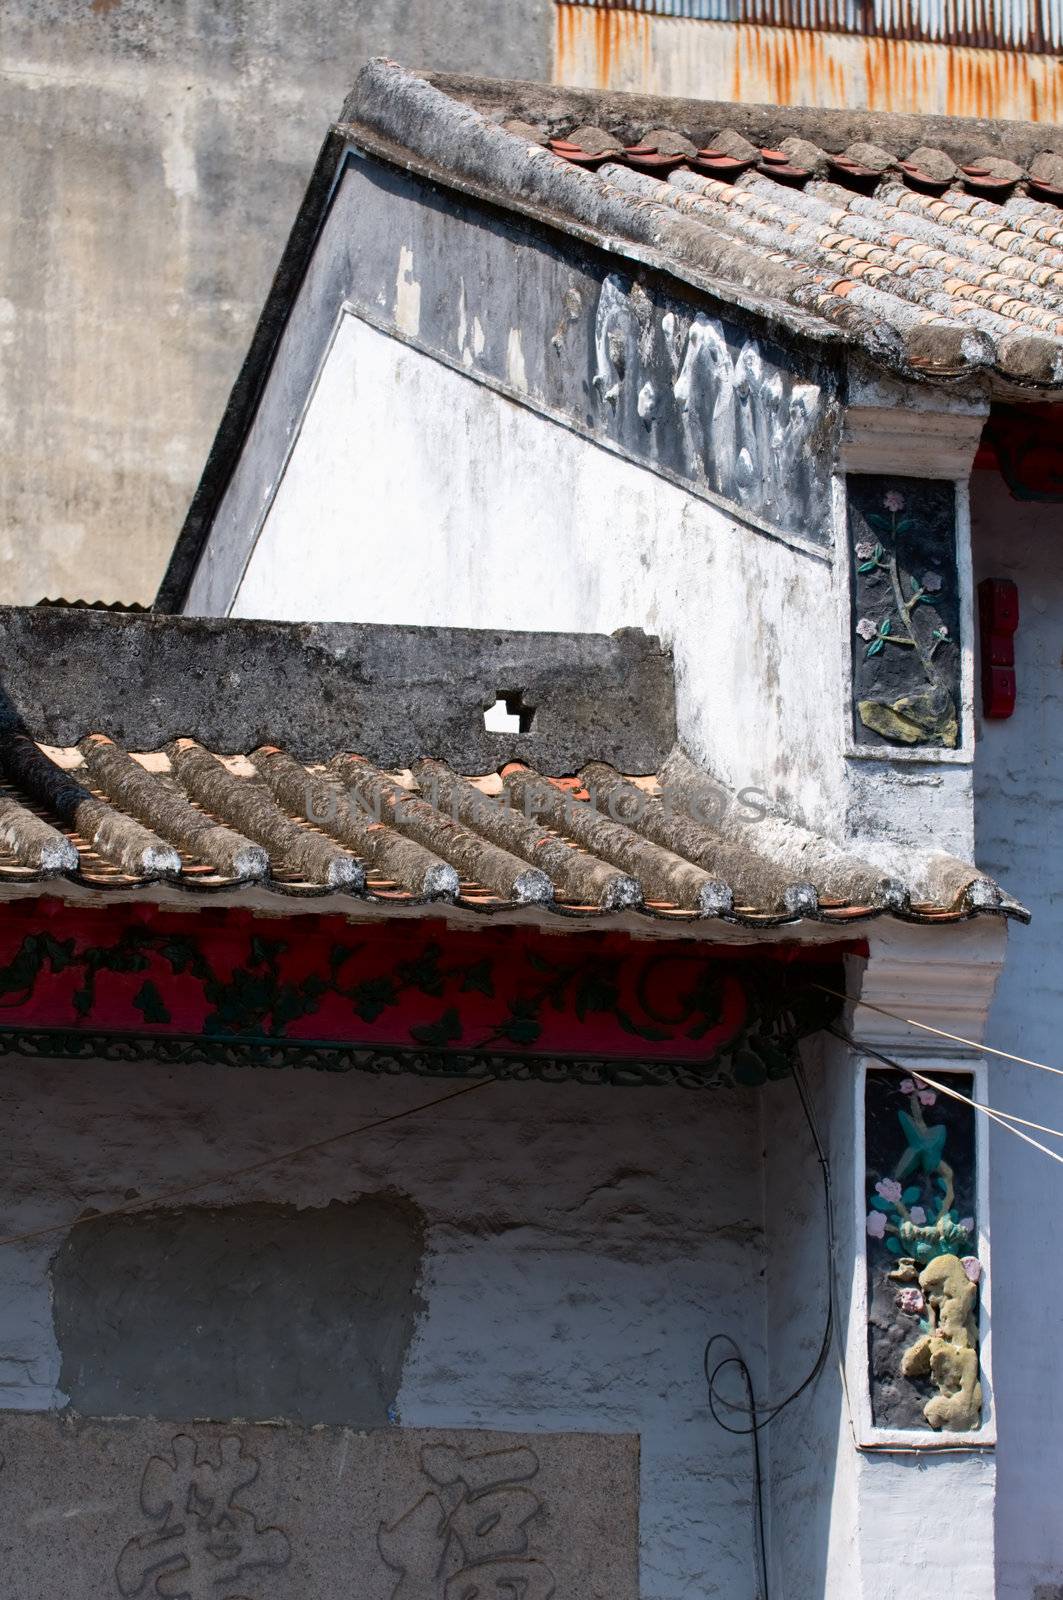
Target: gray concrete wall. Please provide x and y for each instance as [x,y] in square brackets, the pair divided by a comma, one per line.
[154,157]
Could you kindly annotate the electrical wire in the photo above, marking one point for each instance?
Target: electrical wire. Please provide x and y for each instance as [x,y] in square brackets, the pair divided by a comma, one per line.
[957,1038]
[144,1204]
[737,1360]
[987,1111]
[761,1415]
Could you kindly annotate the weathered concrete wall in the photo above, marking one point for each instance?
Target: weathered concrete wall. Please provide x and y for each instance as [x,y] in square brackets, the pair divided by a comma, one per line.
[154,158]
[581,1246]
[291,1514]
[1019,789]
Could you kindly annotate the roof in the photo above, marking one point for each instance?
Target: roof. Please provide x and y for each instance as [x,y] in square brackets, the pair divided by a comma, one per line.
[926,244]
[373,779]
[804,219]
[601,844]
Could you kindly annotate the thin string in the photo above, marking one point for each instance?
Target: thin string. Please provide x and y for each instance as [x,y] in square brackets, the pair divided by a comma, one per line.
[957,1038]
[954,1094]
[239,1172]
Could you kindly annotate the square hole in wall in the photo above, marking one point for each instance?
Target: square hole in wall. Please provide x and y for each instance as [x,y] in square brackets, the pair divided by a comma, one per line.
[509,714]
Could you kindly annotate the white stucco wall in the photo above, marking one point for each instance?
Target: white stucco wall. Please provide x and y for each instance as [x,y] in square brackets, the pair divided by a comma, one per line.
[416,495]
[1019,789]
[582,1245]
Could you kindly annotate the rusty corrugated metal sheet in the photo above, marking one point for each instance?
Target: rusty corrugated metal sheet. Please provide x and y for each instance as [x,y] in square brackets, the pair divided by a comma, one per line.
[607,47]
[1033,25]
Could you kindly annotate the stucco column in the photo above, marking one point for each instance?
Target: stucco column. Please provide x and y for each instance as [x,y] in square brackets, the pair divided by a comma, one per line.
[914,1469]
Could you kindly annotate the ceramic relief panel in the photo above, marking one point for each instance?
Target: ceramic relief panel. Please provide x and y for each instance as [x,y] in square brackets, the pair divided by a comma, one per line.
[905,611]
[923,1272]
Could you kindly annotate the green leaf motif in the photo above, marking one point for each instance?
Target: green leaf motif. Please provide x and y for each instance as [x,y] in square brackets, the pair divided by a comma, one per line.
[521,1030]
[478,979]
[373,997]
[150,1004]
[867,566]
[442,1032]
[879,1204]
[912,1195]
[924,1148]
[884,628]
[874,649]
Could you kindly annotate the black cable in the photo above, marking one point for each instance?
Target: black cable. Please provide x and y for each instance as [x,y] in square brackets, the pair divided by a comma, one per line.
[737,1360]
[868,1050]
[761,1416]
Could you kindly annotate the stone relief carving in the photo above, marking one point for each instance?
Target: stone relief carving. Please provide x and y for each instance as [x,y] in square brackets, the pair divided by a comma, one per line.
[203,1539]
[906,655]
[467,1538]
[922,1274]
[722,411]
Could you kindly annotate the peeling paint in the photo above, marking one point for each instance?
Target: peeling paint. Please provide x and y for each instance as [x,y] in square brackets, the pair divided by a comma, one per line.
[753,64]
[407,295]
[515,370]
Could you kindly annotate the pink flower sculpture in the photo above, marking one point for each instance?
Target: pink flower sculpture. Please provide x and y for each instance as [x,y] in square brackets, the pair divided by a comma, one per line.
[918,1216]
[876,1224]
[972,1266]
[894,501]
[912,1301]
[888,1188]
[907,1086]
[967,1224]
[865,551]
[866,628]
[927,1097]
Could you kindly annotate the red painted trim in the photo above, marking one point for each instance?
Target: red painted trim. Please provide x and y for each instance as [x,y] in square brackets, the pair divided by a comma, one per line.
[229,975]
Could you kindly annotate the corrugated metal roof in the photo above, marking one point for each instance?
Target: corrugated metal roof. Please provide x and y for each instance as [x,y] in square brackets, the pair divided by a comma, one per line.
[1033,25]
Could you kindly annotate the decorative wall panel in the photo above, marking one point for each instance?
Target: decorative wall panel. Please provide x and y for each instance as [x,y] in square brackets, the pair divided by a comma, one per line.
[415,995]
[132,1510]
[923,1273]
[905,611]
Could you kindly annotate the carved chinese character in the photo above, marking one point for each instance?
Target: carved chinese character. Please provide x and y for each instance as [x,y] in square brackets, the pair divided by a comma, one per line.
[468,1538]
[203,1541]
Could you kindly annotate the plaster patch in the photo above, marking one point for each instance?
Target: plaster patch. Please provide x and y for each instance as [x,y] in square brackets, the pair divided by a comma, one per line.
[172,1313]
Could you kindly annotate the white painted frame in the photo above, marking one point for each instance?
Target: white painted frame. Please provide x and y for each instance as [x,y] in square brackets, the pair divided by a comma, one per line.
[963,756]
[868,1435]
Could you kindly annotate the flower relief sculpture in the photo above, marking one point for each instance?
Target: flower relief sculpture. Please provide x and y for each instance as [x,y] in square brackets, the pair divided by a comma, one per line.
[925,1262]
[900,593]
